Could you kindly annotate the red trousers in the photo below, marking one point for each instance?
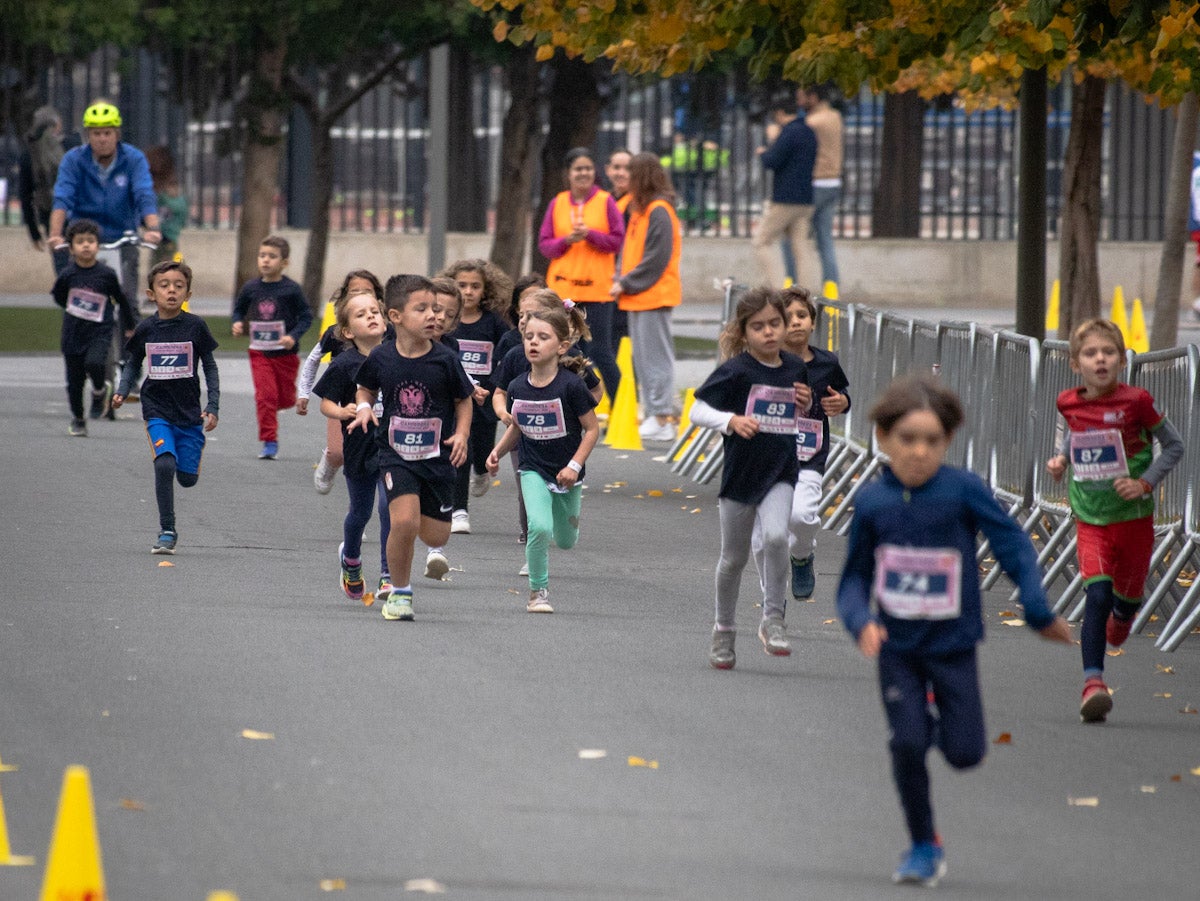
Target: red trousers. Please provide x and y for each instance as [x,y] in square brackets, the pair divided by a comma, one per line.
[274,389]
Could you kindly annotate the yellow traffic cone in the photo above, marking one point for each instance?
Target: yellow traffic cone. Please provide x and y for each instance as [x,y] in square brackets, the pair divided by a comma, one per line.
[1118,315]
[1052,308]
[1139,339]
[73,868]
[603,408]
[7,858]
[830,291]
[685,422]
[622,420]
[328,318]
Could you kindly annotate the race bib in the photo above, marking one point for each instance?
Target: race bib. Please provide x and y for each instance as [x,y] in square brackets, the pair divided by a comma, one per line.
[1098,456]
[85,304]
[540,420]
[810,438]
[267,335]
[415,439]
[918,583]
[476,356]
[774,408]
[169,360]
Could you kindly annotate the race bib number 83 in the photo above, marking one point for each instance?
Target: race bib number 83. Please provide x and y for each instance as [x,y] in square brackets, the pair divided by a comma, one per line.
[774,408]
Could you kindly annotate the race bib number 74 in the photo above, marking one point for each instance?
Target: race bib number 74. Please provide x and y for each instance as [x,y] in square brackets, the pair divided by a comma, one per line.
[918,582]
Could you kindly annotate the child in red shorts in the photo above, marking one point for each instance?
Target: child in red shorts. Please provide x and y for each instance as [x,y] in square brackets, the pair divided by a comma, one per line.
[1108,446]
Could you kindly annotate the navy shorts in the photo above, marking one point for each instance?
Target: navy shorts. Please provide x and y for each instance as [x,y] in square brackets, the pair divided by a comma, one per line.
[436,495]
[186,442]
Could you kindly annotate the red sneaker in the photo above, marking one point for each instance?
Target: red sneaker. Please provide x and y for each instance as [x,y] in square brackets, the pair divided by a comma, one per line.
[1096,702]
[1117,630]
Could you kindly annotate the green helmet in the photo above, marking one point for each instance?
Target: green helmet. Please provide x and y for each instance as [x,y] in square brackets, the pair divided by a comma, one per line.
[101,115]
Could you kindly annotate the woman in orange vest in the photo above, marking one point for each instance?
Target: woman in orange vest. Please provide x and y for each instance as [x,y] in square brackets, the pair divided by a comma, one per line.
[581,235]
[649,287]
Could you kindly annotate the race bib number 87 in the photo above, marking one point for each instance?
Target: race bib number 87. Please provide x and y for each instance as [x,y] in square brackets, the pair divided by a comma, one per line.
[918,582]
[1097,456]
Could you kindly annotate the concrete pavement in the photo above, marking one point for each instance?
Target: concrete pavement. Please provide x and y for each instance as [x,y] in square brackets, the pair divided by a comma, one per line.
[448,749]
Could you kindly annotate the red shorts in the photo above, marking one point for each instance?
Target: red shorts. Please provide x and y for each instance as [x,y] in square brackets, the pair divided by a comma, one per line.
[1120,552]
[1196,238]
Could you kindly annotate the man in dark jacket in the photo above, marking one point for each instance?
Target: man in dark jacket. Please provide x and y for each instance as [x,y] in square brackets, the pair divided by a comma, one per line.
[790,158]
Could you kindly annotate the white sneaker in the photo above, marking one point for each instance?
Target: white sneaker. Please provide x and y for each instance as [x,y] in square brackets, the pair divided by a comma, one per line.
[539,602]
[436,564]
[323,475]
[652,430]
[460,523]
[480,483]
[524,570]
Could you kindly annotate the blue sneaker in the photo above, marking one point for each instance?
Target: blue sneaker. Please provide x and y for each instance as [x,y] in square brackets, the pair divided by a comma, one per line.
[165,543]
[270,450]
[924,865]
[804,579]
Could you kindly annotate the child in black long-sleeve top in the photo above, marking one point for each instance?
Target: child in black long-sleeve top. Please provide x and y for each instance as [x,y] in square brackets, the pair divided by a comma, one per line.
[88,291]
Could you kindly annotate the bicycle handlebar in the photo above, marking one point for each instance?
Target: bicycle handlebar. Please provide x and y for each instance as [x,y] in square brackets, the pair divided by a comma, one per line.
[127,238]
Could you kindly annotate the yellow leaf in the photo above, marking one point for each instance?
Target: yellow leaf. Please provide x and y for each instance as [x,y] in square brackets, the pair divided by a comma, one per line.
[1115,652]
[1006,613]
[1162,694]
[654,492]
[333,885]
[697,510]
[545,53]
[500,32]
[1196,771]
[1013,622]
[166,563]
[255,735]
[1084,802]
[828,622]
[1165,670]
[368,598]
[639,761]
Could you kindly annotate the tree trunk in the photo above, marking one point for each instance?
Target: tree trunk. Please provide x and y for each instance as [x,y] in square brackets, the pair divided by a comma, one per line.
[519,141]
[1165,331]
[318,238]
[1078,258]
[468,212]
[574,120]
[896,203]
[265,107]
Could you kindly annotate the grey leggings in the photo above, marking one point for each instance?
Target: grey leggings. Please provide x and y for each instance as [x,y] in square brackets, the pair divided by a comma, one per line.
[738,522]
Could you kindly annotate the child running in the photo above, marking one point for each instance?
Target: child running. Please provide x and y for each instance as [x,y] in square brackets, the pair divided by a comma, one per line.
[912,550]
[360,318]
[171,342]
[829,398]
[484,290]
[427,418]
[753,399]
[1108,447]
[273,311]
[88,291]
[554,423]
[357,281]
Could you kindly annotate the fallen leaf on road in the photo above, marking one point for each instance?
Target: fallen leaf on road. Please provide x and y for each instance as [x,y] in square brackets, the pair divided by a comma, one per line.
[639,761]
[1004,738]
[1188,708]
[1115,652]
[1196,771]
[1176,778]
[654,492]
[1006,613]
[677,491]
[166,563]
[1013,622]
[1162,694]
[333,885]
[640,497]
[828,622]
[691,497]
[1148,789]
[1084,802]
[368,599]
[592,753]
[697,510]
[428,886]
[255,735]
[1165,670]
[130,804]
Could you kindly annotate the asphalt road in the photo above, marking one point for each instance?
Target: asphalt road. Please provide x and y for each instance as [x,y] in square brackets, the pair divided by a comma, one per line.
[446,753]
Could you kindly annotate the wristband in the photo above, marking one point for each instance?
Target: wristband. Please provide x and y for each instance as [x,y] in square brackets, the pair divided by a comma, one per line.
[1146,486]
[574,467]
[363,404]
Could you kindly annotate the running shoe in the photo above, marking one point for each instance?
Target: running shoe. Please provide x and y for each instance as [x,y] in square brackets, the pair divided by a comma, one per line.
[384,589]
[480,483]
[1117,630]
[398,606]
[270,450]
[539,602]
[77,428]
[924,864]
[323,475]
[460,523]
[773,635]
[720,654]
[101,400]
[804,581]
[1096,701]
[524,570]
[653,430]
[436,564]
[165,544]
[352,580]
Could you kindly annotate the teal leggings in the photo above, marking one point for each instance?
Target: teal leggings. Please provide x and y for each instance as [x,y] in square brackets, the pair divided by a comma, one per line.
[549,514]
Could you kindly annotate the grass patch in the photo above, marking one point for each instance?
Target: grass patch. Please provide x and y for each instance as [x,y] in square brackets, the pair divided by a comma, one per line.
[690,348]
[36,330]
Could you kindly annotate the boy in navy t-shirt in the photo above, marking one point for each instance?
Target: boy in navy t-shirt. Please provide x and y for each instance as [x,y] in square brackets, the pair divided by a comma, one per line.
[172,342]
[88,291]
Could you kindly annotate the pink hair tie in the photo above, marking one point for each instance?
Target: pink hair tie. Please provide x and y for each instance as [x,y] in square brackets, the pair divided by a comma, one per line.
[568,304]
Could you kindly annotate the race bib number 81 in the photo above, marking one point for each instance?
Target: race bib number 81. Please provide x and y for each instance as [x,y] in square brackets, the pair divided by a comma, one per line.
[918,582]
[415,439]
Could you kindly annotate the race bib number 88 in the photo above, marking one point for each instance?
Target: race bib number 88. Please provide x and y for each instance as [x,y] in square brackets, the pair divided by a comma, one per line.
[918,582]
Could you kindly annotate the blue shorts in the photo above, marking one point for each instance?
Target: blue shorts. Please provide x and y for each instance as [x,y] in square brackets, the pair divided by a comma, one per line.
[186,442]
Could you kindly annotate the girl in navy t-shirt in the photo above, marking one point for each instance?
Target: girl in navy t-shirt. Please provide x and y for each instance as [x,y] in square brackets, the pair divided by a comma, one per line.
[554,426]
[754,399]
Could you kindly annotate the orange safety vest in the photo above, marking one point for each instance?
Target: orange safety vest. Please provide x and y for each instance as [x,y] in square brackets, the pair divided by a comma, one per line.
[583,272]
[668,290]
[623,202]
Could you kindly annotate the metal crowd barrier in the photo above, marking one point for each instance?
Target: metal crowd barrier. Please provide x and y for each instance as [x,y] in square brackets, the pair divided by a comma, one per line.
[1008,384]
